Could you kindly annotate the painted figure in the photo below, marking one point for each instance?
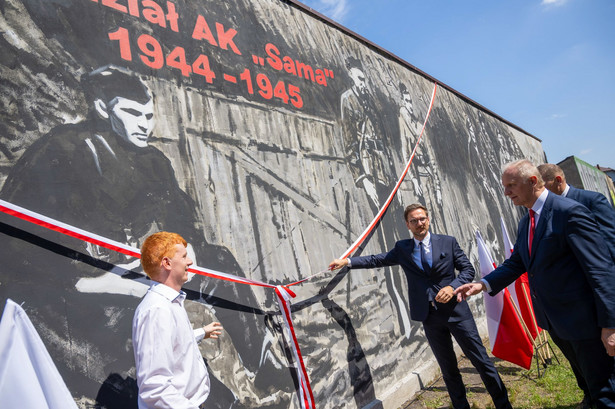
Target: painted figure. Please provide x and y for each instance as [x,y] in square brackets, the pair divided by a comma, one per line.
[370,164]
[104,176]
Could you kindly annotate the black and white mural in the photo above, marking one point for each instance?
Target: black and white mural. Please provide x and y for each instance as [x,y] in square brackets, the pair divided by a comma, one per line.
[269,138]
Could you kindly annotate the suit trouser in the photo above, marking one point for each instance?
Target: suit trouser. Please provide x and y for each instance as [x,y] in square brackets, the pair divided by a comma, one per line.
[596,367]
[438,331]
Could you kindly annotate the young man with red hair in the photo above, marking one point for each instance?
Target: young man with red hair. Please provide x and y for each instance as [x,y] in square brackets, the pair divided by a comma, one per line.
[171,372]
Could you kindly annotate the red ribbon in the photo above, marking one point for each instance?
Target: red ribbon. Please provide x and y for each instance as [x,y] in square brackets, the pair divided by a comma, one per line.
[283,293]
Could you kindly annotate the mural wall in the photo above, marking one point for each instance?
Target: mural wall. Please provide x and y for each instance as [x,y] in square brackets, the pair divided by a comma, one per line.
[269,138]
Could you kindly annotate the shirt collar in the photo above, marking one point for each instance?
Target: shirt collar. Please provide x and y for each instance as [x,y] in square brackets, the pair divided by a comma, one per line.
[565,192]
[540,202]
[168,293]
[426,241]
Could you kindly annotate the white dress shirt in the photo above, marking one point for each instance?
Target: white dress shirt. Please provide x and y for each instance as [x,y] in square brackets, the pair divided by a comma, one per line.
[537,208]
[171,373]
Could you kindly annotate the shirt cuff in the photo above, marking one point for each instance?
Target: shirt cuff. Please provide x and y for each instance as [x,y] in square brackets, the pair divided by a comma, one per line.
[349,265]
[487,286]
[199,334]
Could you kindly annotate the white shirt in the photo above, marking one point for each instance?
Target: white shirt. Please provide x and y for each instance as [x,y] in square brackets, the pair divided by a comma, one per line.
[171,373]
[537,208]
[566,190]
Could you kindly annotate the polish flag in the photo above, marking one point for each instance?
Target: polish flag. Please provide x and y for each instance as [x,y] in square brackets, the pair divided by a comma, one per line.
[507,337]
[520,290]
[29,378]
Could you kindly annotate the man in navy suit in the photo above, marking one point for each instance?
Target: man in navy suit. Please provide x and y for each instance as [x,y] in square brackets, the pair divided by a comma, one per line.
[597,203]
[429,262]
[603,212]
[571,276]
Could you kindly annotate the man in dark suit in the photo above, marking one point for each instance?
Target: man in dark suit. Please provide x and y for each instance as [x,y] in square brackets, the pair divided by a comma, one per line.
[603,212]
[571,276]
[430,261]
[597,203]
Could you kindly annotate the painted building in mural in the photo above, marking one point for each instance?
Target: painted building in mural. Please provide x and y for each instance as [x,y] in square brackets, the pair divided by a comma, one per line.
[266,135]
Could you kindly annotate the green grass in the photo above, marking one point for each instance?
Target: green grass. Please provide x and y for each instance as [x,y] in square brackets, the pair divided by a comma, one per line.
[555,388]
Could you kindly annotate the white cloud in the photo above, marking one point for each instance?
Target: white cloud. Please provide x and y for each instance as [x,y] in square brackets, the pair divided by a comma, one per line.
[557,116]
[334,9]
[586,151]
[553,3]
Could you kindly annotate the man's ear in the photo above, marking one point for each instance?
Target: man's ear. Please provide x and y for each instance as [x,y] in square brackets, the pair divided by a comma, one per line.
[166,263]
[101,108]
[558,179]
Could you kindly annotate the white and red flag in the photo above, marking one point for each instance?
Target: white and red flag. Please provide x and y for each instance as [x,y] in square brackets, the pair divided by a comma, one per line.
[29,378]
[508,339]
[520,290]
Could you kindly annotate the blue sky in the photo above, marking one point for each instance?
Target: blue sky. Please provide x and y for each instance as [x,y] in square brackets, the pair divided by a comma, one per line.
[547,66]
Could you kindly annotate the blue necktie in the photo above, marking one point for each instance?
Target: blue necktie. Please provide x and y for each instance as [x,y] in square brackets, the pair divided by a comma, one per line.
[424,262]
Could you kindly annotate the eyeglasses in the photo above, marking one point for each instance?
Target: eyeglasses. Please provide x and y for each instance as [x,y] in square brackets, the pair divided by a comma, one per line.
[418,220]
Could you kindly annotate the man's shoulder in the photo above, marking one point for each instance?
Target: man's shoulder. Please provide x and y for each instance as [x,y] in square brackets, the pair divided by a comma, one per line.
[587,197]
[564,208]
[152,303]
[62,138]
[404,243]
[443,237]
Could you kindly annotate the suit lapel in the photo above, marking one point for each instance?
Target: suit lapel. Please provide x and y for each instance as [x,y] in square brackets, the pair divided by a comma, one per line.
[522,239]
[435,250]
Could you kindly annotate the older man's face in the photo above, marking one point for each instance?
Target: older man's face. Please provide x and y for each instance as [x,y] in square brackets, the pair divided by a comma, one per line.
[520,191]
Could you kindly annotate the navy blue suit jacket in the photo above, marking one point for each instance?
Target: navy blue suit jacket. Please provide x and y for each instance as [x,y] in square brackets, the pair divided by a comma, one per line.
[602,210]
[571,275]
[422,287]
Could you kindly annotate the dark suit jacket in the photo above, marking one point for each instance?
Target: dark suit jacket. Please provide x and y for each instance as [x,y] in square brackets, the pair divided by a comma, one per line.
[602,210]
[571,276]
[422,287]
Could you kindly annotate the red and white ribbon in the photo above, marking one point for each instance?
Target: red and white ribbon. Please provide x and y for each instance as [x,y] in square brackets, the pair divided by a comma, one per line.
[284,294]
[366,233]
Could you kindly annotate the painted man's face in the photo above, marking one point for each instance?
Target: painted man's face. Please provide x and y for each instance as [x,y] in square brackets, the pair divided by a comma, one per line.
[132,121]
[358,77]
[407,101]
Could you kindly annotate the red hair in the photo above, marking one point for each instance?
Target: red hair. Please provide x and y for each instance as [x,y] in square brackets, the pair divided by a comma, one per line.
[156,247]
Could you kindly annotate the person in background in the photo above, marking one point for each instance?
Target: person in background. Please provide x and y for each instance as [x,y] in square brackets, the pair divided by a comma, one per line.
[597,203]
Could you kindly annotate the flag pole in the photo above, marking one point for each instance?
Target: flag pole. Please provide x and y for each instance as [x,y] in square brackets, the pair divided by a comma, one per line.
[540,334]
[527,331]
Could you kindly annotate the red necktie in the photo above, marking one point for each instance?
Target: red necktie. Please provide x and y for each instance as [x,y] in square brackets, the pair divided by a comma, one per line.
[532,227]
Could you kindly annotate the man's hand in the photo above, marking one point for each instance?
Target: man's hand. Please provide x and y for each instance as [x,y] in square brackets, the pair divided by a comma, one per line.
[337,263]
[608,339]
[466,290]
[213,330]
[445,294]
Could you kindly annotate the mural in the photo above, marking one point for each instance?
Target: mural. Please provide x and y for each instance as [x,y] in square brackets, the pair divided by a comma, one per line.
[269,138]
